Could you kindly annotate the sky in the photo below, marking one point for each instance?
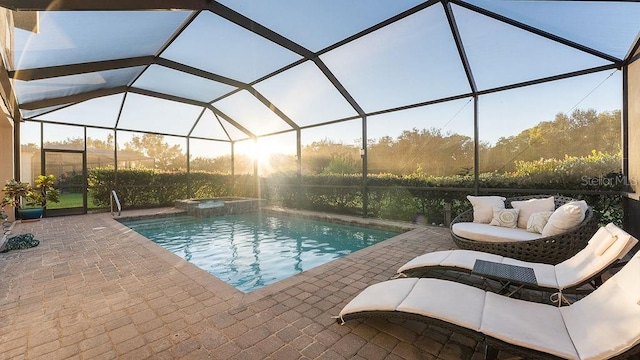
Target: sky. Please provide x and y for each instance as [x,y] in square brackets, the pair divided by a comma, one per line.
[411,61]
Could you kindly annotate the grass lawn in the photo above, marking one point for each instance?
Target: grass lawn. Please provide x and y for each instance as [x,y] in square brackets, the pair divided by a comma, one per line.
[71,200]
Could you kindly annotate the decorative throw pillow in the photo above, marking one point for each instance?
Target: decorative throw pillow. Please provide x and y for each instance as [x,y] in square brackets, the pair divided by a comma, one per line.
[483,207]
[537,221]
[505,217]
[565,217]
[528,207]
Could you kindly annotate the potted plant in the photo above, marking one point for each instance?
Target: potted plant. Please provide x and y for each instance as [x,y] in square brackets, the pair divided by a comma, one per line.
[30,202]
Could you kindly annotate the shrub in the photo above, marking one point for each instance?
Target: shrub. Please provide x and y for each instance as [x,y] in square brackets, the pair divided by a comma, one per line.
[389,196]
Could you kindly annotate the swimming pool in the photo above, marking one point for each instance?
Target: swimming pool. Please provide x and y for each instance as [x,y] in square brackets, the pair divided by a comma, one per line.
[250,251]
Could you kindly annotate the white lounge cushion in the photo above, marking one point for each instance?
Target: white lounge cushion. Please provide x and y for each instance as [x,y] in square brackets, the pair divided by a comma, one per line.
[452,302]
[528,207]
[581,267]
[445,300]
[486,232]
[615,326]
[467,258]
[603,324]
[588,262]
[631,242]
[463,259]
[531,325]
[384,296]
[565,217]
[426,260]
[483,207]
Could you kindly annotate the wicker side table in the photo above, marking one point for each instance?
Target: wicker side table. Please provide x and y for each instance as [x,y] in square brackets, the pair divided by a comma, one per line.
[507,275]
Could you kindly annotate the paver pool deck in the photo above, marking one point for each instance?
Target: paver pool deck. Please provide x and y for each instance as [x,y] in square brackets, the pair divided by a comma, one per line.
[94,289]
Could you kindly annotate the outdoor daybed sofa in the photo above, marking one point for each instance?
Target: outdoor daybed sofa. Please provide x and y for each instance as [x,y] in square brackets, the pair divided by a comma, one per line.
[604,324]
[472,232]
[605,248]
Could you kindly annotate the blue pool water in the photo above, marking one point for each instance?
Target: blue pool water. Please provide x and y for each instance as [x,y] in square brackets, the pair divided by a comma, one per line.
[253,250]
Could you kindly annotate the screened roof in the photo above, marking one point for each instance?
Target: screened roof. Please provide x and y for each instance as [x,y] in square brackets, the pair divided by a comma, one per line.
[230,70]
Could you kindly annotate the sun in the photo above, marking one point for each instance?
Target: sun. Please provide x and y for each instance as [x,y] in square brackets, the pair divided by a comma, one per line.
[271,154]
[260,151]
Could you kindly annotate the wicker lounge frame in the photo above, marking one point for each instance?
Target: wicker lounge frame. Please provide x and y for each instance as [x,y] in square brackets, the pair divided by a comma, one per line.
[523,328]
[563,278]
[492,345]
[583,287]
[549,250]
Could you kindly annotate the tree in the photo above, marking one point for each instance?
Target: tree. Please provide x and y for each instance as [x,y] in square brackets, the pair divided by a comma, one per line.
[165,157]
[221,164]
[577,134]
[326,156]
[434,152]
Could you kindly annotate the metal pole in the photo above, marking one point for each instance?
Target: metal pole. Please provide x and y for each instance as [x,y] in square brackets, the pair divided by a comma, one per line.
[476,147]
[363,154]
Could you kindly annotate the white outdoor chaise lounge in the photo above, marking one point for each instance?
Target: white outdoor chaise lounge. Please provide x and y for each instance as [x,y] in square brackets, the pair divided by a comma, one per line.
[608,245]
[604,324]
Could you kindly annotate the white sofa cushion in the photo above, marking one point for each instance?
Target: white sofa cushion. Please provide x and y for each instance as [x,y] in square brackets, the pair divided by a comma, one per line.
[565,217]
[483,207]
[528,207]
[538,220]
[505,217]
[486,232]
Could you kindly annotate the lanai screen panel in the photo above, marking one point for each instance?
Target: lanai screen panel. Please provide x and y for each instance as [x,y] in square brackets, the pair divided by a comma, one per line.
[101,148]
[249,112]
[151,151]
[306,95]
[210,156]
[317,24]
[146,113]
[332,149]
[234,133]
[435,140]
[63,137]
[544,123]
[30,151]
[29,114]
[35,90]
[218,46]
[500,54]
[411,61]
[102,112]
[276,154]
[600,25]
[243,157]
[210,127]
[173,82]
[72,37]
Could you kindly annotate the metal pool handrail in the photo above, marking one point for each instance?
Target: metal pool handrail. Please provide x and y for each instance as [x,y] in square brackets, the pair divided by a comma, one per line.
[114,197]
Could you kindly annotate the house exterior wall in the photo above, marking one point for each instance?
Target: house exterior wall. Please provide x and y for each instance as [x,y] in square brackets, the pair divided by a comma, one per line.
[632,202]
[6,119]
[6,152]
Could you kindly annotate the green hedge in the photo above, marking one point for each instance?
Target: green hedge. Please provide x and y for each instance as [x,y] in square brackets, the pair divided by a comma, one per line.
[410,197]
[140,188]
[404,198]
